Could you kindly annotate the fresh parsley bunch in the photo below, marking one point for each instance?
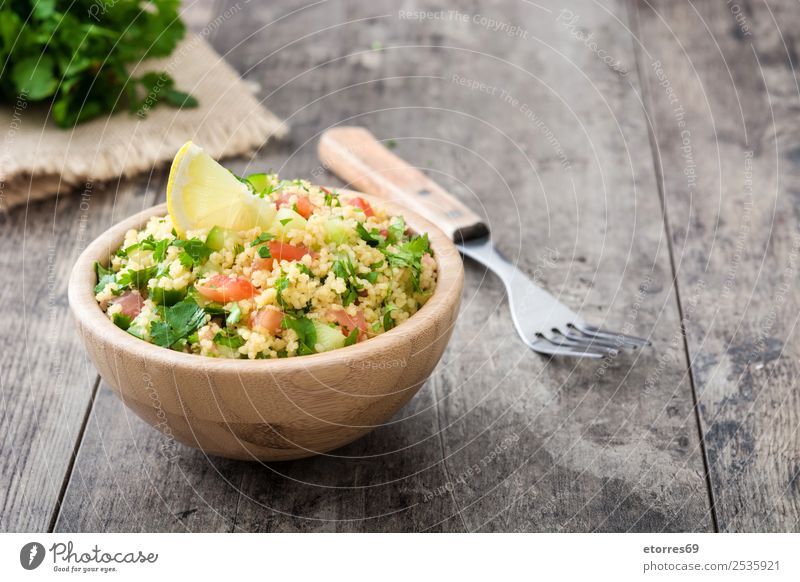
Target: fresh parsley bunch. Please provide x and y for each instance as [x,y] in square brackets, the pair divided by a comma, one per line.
[76,55]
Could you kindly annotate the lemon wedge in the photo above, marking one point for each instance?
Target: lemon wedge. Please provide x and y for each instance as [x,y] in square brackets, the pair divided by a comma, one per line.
[203,194]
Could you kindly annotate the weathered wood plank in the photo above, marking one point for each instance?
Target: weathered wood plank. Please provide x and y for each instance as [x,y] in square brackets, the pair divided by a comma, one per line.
[562,444]
[530,444]
[45,379]
[723,101]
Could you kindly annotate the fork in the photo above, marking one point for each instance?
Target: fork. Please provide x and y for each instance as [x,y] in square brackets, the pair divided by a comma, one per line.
[545,324]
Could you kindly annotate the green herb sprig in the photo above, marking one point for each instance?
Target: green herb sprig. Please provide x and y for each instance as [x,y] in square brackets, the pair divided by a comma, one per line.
[76,55]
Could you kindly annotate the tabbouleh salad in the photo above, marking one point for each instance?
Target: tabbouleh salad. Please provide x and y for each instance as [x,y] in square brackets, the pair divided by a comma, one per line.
[328,272]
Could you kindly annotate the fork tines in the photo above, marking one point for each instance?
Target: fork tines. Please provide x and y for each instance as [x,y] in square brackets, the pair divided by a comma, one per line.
[582,340]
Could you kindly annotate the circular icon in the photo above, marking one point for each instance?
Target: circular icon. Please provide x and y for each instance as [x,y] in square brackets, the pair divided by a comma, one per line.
[31,555]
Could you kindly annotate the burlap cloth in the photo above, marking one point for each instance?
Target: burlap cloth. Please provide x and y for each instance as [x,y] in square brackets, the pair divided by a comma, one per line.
[38,159]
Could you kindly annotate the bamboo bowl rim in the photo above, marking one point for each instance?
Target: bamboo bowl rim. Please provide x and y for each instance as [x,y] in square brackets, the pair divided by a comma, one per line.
[91,319]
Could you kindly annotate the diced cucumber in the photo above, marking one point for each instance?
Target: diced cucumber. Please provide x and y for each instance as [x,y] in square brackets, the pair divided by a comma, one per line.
[138,255]
[259,182]
[335,231]
[226,352]
[218,238]
[285,220]
[167,297]
[137,330]
[328,338]
[207,269]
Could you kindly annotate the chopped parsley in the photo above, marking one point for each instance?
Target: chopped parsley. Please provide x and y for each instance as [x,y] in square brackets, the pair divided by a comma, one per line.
[213,308]
[397,229]
[305,330]
[344,269]
[331,198]
[104,277]
[262,238]
[372,237]
[121,320]
[229,339]
[179,321]
[137,279]
[280,286]
[352,338]
[388,322]
[160,250]
[195,252]
[372,276]
[410,255]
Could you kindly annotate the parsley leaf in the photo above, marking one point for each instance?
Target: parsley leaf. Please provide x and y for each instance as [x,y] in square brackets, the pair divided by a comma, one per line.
[121,321]
[179,321]
[344,269]
[262,238]
[371,277]
[213,308]
[388,322]
[331,198]
[352,338]
[195,251]
[397,230]
[305,330]
[230,340]
[76,57]
[280,286]
[160,250]
[104,277]
[409,255]
[264,252]
[137,279]
[372,237]
[186,259]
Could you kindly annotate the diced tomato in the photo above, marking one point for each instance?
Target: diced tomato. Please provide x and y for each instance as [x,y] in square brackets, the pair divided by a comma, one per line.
[282,252]
[260,264]
[223,289]
[266,320]
[304,206]
[287,252]
[349,322]
[363,205]
[131,302]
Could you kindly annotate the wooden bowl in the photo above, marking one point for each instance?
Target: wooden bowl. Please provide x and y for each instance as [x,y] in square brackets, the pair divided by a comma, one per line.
[268,409]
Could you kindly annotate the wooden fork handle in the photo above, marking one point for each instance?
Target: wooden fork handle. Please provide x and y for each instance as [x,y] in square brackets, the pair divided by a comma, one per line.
[353,154]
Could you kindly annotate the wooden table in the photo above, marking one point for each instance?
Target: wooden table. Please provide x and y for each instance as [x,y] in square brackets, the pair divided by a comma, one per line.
[641,159]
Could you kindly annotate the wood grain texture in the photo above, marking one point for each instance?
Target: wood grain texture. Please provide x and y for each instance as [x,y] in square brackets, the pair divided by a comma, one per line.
[723,99]
[46,381]
[559,159]
[558,162]
[353,154]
